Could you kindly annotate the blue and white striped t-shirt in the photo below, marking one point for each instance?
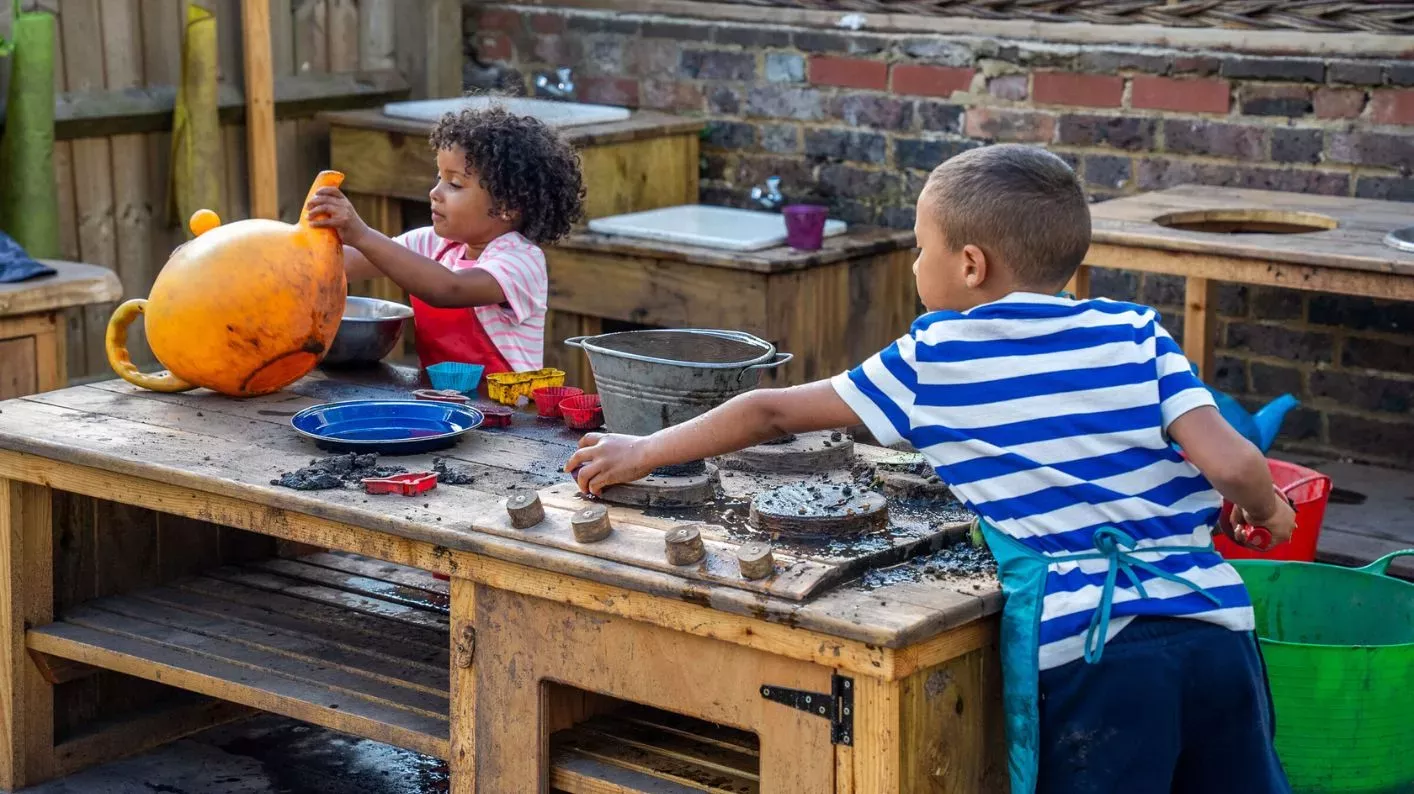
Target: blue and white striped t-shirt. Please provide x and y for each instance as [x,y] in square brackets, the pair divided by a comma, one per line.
[1048,417]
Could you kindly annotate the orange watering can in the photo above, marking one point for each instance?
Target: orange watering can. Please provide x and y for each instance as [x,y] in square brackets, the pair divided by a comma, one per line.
[244,309]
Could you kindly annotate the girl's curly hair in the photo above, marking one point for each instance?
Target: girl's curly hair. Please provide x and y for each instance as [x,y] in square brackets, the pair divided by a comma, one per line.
[524,166]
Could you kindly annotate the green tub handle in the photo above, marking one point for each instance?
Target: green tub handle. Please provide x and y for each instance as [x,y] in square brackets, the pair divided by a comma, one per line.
[1381,566]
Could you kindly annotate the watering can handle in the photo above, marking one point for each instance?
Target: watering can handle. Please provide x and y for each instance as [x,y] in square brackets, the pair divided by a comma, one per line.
[1381,566]
[116,342]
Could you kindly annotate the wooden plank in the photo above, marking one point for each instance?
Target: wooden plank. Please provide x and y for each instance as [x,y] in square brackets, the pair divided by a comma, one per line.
[186,546]
[418,644]
[51,358]
[354,602]
[60,671]
[878,746]
[26,599]
[162,26]
[93,163]
[613,755]
[639,175]
[663,293]
[293,698]
[377,33]
[343,36]
[1079,284]
[127,545]
[1200,322]
[378,569]
[392,592]
[260,109]
[19,369]
[76,353]
[133,204]
[462,755]
[291,645]
[112,740]
[1262,272]
[953,726]
[579,774]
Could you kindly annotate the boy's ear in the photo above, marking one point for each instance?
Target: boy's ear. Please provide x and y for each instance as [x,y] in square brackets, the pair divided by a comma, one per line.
[974,266]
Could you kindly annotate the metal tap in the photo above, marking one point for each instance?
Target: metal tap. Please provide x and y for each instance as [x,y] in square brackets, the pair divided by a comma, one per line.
[562,86]
[769,196]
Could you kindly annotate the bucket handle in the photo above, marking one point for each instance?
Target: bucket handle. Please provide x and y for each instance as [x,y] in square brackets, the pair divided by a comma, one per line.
[1381,566]
[1310,478]
[576,341]
[776,361]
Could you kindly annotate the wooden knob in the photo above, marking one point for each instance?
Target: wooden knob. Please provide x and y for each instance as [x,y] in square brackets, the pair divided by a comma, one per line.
[591,524]
[755,560]
[525,510]
[684,546]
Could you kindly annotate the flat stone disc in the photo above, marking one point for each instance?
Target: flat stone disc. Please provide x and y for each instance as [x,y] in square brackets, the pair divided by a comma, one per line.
[655,491]
[818,510]
[804,454]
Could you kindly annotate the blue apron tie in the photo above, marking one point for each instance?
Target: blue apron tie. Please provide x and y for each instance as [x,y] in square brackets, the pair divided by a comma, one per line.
[1118,547]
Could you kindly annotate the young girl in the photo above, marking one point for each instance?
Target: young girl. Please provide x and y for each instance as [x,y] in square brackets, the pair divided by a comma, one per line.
[506,185]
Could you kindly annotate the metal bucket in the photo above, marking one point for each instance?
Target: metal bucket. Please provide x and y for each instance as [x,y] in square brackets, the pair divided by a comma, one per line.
[649,380]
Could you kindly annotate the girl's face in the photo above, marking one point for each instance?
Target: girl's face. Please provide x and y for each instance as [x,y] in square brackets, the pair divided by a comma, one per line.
[461,207]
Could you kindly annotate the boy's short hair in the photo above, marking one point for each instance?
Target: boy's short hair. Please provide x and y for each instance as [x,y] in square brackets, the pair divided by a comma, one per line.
[524,165]
[1021,205]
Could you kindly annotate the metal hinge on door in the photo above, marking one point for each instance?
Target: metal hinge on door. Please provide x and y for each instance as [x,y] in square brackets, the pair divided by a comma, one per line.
[837,706]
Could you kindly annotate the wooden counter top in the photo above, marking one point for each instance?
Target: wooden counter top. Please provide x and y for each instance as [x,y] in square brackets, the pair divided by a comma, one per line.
[1355,244]
[853,244]
[75,284]
[642,124]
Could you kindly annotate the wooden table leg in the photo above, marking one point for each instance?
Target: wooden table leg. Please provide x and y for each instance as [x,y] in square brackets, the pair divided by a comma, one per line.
[26,599]
[1200,323]
[51,356]
[1079,284]
[463,697]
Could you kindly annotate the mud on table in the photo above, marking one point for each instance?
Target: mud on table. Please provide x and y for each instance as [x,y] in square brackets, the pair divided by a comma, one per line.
[156,583]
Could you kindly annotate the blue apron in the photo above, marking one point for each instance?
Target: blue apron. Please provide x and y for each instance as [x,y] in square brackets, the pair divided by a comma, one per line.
[1022,572]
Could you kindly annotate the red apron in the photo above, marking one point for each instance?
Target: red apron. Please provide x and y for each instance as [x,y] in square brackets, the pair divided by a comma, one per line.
[454,335]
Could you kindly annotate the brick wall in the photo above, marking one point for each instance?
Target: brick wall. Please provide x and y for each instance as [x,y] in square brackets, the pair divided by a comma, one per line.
[856,120]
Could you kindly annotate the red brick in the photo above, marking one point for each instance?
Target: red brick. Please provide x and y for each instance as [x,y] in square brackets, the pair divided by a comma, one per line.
[662,95]
[498,19]
[609,91]
[1010,125]
[1086,90]
[494,46]
[1339,103]
[849,72]
[1185,96]
[545,24]
[930,80]
[1392,107]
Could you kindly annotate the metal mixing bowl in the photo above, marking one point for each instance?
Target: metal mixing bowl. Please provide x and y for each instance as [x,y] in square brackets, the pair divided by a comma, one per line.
[369,331]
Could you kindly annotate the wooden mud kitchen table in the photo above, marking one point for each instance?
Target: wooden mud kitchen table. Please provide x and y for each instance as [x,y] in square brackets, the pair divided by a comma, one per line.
[1211,234]
[33,355]
[154,584]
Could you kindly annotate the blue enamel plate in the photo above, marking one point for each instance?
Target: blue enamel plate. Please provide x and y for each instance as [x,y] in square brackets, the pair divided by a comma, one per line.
[388,427]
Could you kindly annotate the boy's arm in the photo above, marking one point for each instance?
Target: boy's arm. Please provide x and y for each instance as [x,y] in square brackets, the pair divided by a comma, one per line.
[1236,469]
[744,421]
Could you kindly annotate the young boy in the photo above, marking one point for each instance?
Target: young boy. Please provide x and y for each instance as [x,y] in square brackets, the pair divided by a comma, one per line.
[506,185]
[1051,418]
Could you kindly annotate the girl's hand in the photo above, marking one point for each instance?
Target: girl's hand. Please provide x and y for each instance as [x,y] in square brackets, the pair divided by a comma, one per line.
[607,459]
[331,209]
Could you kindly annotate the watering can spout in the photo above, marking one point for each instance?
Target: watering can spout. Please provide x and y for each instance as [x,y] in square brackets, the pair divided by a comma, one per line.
[1269,419]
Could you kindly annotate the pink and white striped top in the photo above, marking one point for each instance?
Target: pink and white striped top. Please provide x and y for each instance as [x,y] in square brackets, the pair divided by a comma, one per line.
[516,327]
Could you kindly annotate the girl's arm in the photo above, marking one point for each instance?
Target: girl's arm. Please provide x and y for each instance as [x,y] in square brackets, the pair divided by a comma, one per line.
[368,253]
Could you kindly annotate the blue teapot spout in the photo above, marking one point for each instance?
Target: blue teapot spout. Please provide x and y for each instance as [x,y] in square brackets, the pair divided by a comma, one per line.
[1269,418]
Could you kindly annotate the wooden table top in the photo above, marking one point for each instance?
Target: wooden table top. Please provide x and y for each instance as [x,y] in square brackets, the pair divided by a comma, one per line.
[1356,243]
[75,284]
[855,243]
[235,448]
[641,124]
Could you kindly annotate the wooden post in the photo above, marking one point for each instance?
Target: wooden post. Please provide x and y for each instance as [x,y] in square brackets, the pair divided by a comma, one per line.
[1079,284]
[260,110]
[26,599]
[1200,323]
[462,758]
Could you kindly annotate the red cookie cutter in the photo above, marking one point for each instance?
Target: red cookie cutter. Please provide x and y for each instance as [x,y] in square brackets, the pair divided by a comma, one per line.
[410,484]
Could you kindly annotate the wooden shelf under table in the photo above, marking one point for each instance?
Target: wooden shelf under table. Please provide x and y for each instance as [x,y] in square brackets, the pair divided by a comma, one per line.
[362,646]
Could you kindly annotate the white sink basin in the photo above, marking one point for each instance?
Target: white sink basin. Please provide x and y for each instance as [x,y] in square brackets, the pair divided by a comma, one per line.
[710,227]
[554,114]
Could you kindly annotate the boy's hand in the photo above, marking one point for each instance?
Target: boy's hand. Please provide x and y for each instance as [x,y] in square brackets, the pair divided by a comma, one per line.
[331,209]
[1279,520]
[607,459]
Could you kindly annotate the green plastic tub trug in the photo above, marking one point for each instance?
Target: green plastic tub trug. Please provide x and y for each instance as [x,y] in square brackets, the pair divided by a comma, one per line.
[1339,648]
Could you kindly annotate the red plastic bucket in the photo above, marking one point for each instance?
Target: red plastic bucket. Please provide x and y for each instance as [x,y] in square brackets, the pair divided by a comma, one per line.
[1307,489]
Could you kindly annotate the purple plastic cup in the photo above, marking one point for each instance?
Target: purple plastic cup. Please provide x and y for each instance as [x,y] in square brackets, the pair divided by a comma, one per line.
[805,226]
